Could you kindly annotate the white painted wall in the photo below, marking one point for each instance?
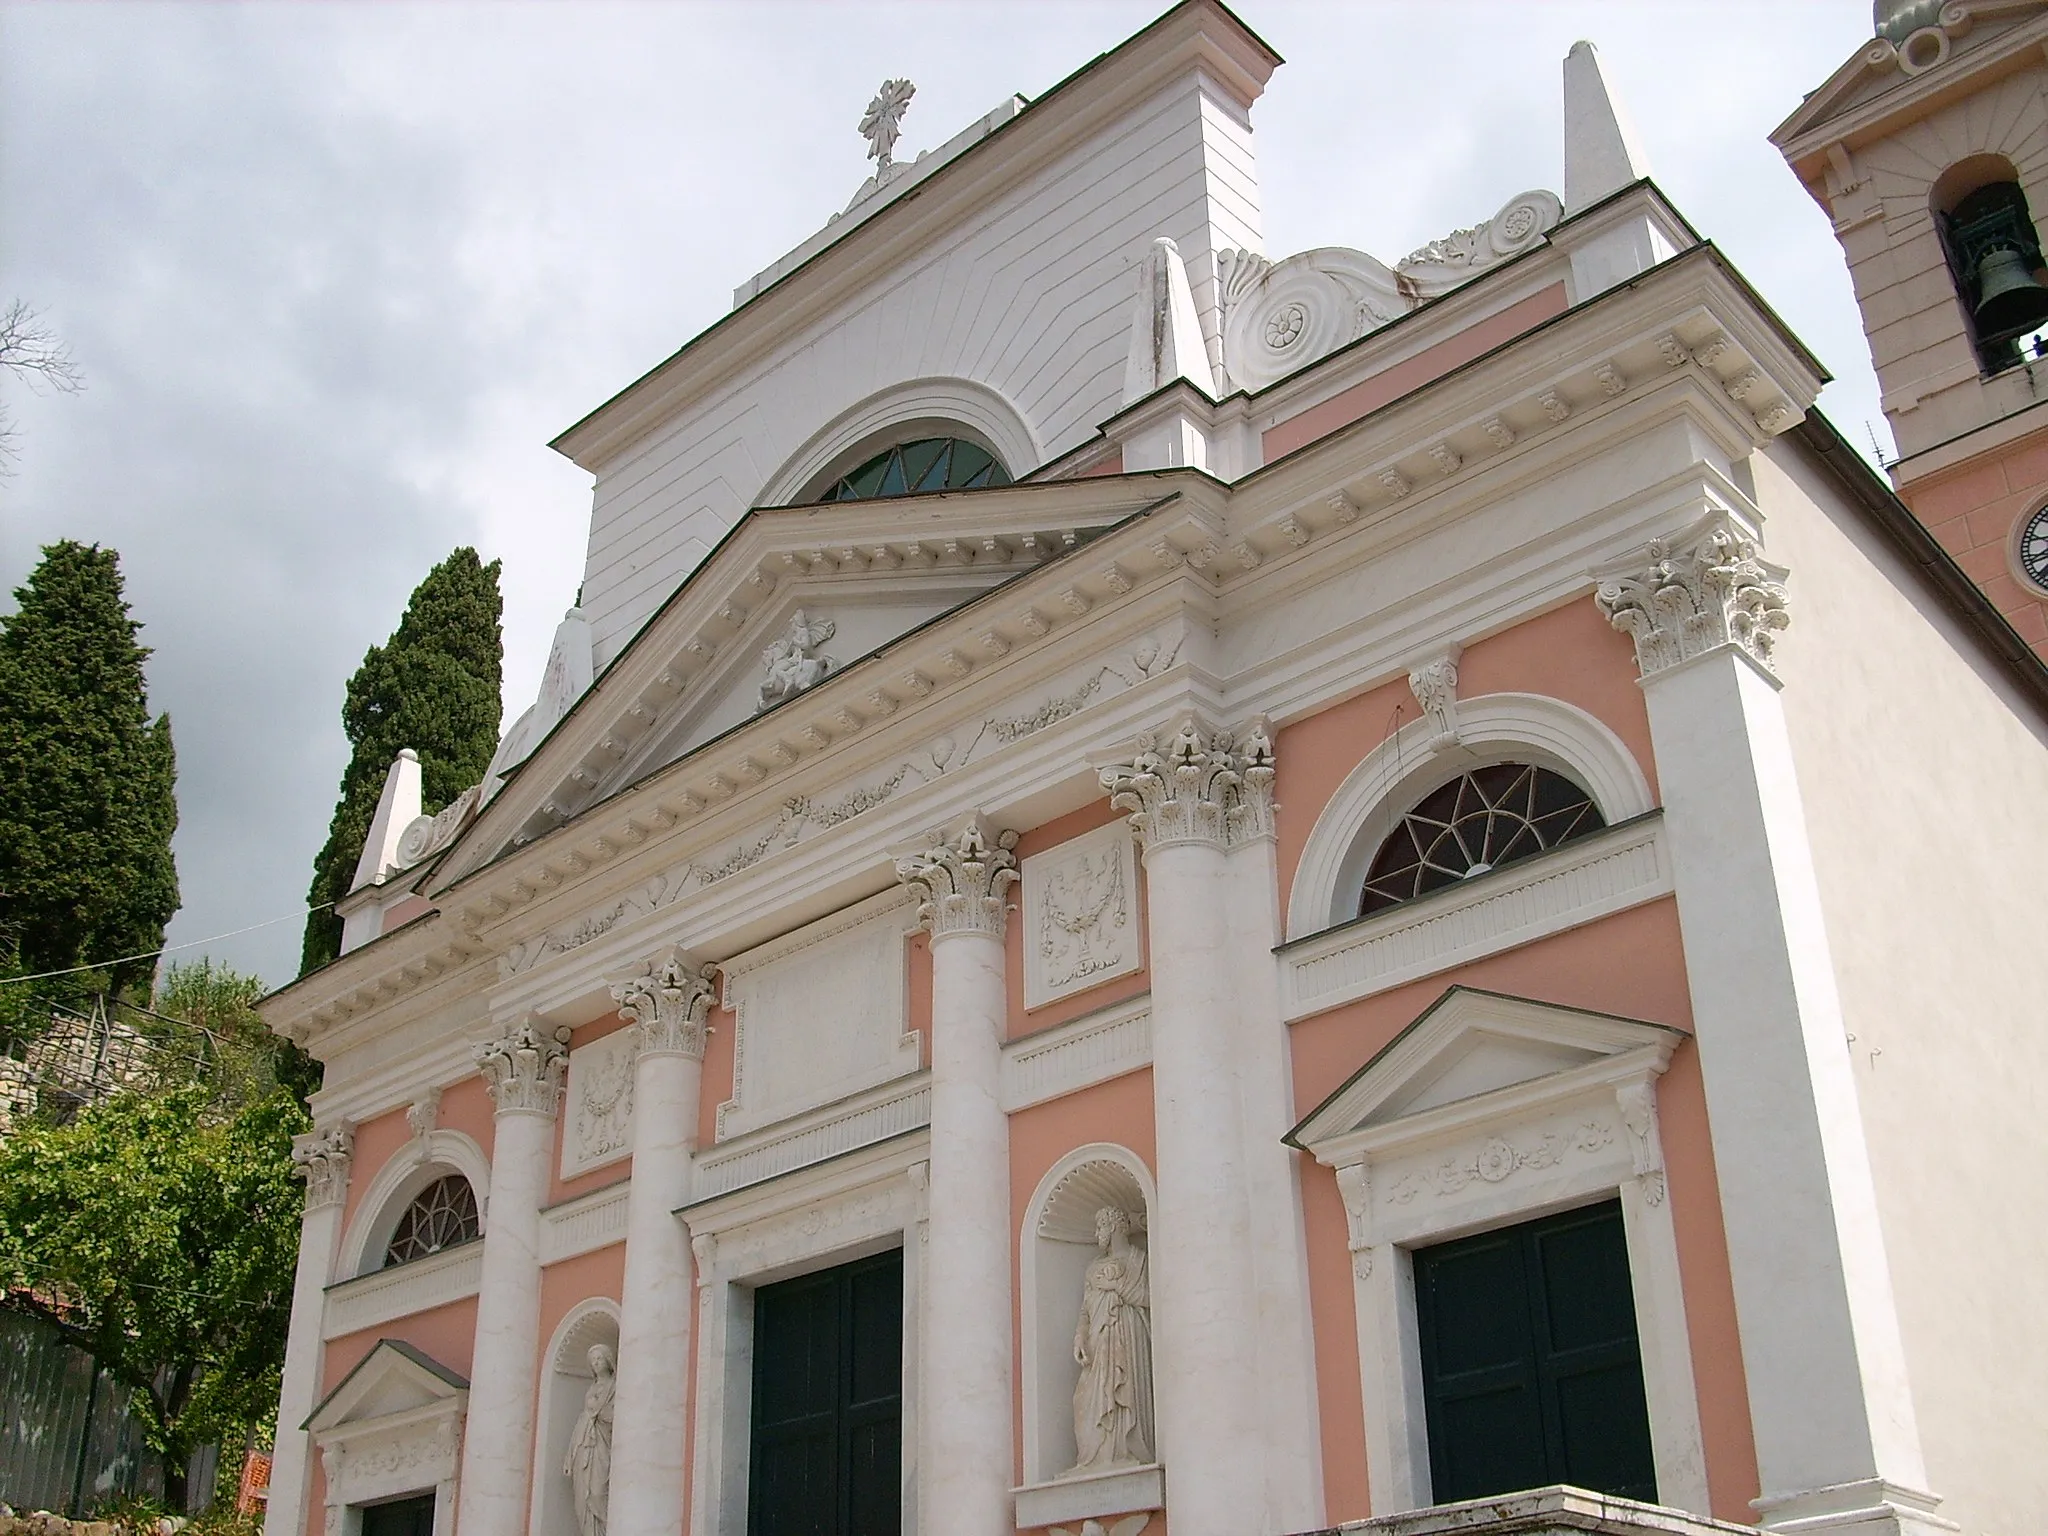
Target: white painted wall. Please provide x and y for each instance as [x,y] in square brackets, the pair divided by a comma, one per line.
[1927,806]
[1031,300]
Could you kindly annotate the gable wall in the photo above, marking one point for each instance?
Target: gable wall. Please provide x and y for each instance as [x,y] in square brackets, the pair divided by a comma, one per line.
[1033,301]
[1926,799]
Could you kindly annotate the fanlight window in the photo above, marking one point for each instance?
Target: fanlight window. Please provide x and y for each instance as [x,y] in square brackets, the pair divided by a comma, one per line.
[929,464]
[1477,822]
[442,1215]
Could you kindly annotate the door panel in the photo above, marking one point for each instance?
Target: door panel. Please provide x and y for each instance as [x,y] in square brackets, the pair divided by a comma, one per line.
[400,1517]
[828,1403]
[1531,1369]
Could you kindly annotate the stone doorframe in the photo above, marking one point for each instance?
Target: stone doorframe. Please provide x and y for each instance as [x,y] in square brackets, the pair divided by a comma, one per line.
[1490,1110]
[410,1447]
[830,1213]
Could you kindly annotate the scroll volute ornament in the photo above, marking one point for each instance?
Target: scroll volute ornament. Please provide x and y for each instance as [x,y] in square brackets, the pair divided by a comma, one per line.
[1196,786]
[961,881]
[322,1159]
[525,1066]
[668,1001]
[1704,590]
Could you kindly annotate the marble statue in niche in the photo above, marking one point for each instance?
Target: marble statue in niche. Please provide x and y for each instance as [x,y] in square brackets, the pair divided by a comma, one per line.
[588,1465]
[1113,1347]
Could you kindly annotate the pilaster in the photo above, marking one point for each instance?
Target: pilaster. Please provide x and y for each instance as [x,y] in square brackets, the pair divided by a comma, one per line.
[322,1157]
[1838,1446]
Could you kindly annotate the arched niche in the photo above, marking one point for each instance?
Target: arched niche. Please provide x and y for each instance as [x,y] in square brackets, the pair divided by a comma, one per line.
[1058,1243]
[565,1377]
[1492,728]
[939,407]
[406,1173]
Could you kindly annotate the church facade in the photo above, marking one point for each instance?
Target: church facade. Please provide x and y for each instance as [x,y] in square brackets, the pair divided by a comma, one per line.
[1163,888]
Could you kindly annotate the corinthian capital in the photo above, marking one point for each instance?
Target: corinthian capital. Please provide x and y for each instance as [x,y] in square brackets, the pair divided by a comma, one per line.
[322,1159]
[961,881]
[1191,785]
[1702,591]
[667,999]
[524,1068]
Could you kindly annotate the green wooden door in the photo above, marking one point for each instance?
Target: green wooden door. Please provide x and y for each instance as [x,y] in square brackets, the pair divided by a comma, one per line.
[1531,1369]
[401,1517]
[827,1451]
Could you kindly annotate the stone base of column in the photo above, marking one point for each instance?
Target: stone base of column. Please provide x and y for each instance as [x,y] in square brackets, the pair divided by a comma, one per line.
[1872,1507]
[1544,1512]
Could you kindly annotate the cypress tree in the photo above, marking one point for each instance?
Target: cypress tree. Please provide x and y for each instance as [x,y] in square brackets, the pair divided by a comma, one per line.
[433,686]
[87,778]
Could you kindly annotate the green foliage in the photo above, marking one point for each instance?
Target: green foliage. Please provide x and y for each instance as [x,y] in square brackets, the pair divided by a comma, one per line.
[218,1030]
[433,686]
[86,776]
[161,1237]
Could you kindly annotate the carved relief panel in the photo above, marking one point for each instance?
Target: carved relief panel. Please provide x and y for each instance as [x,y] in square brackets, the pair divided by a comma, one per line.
[820,1013]
[1081,923]
[598,1129]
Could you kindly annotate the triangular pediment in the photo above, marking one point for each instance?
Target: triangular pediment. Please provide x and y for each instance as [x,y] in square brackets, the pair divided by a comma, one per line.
[1471,1046]
[394,1378]
[1875,70]
[869,572]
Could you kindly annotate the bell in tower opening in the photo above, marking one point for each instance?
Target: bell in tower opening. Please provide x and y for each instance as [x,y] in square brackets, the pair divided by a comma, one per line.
[1996,258]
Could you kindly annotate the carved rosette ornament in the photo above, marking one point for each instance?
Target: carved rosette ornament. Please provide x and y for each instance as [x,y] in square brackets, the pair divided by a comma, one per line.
[1197,786]
[667,1001]
[1695,594]
[524,1068]
[961,881]
[322,1159]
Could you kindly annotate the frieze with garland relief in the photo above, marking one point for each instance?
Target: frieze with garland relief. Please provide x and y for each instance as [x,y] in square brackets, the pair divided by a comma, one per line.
[1080,914]
[802,817]
[600,1096]
[1498,1159]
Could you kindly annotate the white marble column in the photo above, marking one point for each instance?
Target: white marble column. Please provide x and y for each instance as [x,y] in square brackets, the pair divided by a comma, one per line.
[1184,791]
[966,1438]
[668,1002]
[1293,1440]
[321,1158]
[524,1070]
[1837,1444]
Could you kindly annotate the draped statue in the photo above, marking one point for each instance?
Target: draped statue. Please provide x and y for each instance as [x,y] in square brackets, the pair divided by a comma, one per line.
[588,1465]
[1113,1347]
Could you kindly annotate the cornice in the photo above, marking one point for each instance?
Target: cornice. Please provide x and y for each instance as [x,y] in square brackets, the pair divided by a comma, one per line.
[1828,117]
[977,538]
[1197,36]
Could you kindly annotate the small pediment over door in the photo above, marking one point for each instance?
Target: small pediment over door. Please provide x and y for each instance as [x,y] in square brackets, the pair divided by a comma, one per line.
[393,1379]
[1473,1056]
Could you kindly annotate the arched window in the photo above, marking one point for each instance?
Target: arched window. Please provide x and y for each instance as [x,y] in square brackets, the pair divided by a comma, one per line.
[928,464]
[440,1216]
[1994,257]
[1479,821]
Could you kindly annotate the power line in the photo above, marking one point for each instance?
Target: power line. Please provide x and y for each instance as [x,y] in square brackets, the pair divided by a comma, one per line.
[100,965]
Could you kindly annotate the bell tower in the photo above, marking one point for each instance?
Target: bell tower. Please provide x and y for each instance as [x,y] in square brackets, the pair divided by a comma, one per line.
[1929,151]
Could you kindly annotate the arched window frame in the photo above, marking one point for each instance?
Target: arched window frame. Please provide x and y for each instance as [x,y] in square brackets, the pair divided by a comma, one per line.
[405,1175]
[1400,771]
[932,407]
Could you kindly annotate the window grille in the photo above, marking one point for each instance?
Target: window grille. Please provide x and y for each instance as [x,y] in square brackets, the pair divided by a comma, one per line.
[440,1216]
[929,464]
[1476,823]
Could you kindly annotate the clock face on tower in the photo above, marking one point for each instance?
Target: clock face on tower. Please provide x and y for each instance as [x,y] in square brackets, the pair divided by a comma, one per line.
[2034,548]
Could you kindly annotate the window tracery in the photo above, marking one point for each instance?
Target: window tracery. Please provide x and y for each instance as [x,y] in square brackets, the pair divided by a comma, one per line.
[1477,822]
[440,1216]
[927,464]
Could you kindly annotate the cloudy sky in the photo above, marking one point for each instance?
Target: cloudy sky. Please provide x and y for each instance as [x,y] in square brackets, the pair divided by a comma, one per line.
[335,273]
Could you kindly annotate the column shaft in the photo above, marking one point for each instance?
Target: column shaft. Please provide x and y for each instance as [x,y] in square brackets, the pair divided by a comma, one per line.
[525,1074]
[967,1481]
[322,1159]
[1204,1296]
[650,1433]
[965,1408]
